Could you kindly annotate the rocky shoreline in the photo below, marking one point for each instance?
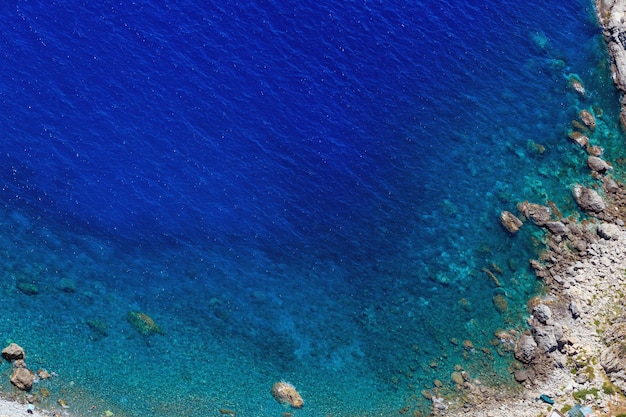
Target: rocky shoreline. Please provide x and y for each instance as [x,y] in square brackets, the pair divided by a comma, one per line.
[574,351]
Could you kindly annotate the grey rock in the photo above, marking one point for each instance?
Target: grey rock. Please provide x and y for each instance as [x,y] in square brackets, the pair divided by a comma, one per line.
[613,358]
[574,308]
[539,214]
[525,349]
[542,313]
[557,228]
[608,231]
[589,200]
[545,338]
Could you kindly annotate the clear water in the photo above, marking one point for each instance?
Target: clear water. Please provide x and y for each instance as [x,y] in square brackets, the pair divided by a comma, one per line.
[306,191]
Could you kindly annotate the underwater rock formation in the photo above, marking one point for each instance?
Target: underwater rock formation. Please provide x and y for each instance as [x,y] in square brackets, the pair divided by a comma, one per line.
[285,393]
[143,323]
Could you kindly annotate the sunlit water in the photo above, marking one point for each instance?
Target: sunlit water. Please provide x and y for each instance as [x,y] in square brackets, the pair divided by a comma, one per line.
[305,191]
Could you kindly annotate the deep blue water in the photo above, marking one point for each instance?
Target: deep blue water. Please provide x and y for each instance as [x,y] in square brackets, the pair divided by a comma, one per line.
[289,189]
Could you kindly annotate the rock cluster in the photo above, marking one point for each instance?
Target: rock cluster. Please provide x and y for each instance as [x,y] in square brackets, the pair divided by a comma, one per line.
[611,14]
[22,377]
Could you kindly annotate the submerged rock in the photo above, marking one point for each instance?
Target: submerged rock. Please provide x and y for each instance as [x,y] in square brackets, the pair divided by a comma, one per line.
[143,323]
[285,393]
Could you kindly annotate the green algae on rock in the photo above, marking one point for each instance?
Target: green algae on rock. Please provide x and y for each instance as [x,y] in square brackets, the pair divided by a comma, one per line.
[143,323]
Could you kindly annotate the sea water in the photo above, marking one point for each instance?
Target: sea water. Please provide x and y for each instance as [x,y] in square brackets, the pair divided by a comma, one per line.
[304,191]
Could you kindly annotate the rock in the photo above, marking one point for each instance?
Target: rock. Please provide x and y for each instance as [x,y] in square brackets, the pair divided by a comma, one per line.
[285,393]
[525,349]
[579,138]
[143,323]
[28,288]
[613,358]
[594,150]
[598,164]
[557,228]
[457,378]
[587,118]
[574,309]
[13,352]
[588,200]
[23,378]
[610,185]
[545,338]
[542,313]
[539,214]
[608,231]
[576,84]
[510,221]
[521,375]
[615,333]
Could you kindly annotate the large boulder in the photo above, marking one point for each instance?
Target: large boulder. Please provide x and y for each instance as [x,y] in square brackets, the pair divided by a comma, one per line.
[23,378]
[588,119]
[608,231]
[545,338]
[13,352]
[525,349]
[542,313]
[589,200]
[598,164]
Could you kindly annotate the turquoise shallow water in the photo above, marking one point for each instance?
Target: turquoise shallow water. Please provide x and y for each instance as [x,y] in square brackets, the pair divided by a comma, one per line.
[303,192]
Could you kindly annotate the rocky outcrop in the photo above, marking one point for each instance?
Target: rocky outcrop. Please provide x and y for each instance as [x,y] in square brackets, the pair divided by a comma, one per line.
[542,313]
[587,119]
[510,222]
[589,200]
[613,357]
[525,349]
[540,215]
[612,15]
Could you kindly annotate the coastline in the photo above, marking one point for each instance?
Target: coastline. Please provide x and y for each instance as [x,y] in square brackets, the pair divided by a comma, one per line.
[576,280]
[574,351]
